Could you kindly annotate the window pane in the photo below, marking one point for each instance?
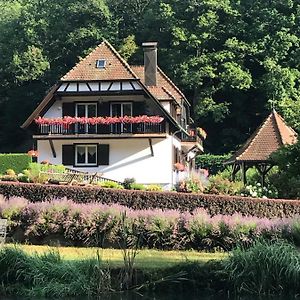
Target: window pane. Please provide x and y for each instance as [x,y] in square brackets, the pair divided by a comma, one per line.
[116,110]
[80,110]
[80,152]
[127,111]
[92,154]
[92,110]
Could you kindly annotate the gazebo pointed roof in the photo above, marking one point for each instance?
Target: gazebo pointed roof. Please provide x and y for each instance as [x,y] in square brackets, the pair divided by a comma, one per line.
[269,137]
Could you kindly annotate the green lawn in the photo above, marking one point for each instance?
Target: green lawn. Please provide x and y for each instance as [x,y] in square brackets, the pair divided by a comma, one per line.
[144,259]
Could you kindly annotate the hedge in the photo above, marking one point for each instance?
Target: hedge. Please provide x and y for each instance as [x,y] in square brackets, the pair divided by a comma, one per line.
[213,163]
[213,204]
[16,161]
[93,224]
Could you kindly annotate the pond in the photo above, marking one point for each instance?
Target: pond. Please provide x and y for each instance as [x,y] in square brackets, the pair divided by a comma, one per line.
[162,296]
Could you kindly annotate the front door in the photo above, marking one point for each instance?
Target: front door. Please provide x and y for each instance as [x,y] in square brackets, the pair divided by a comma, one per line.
[121,110]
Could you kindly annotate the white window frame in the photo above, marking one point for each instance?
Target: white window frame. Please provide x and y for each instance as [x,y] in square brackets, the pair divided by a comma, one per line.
[102,65]
[86,163]
[122,111]
[86,126]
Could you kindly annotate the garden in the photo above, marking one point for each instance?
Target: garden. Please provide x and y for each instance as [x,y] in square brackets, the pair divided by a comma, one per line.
[208,234]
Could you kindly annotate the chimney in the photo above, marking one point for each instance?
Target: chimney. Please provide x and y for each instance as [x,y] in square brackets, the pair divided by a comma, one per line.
[150,62]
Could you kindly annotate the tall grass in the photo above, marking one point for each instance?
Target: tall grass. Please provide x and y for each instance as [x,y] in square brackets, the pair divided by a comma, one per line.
[264,268]
[48,275]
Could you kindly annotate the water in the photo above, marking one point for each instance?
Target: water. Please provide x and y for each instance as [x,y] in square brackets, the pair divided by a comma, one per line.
[161,296]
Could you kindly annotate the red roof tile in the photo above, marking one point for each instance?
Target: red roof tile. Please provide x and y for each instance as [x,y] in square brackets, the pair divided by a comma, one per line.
[269,137]
[165,88]
[116,67]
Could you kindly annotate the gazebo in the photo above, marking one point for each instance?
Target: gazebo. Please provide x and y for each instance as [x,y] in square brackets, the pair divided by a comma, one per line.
[271,135]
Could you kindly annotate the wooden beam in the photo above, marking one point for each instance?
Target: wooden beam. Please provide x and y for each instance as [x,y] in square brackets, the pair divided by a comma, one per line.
[52,148]
[151,147]
[244,173]
[235,169]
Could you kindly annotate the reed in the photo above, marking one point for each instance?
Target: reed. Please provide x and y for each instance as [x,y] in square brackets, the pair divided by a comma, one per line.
[264,268]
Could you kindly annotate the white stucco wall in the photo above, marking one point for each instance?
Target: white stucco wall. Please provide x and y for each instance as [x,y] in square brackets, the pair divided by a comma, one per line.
[127,158]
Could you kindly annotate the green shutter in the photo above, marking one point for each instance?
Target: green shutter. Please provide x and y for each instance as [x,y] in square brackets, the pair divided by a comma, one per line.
[103,111]
[138,109]
[68,109]
[103,155]
[68,155]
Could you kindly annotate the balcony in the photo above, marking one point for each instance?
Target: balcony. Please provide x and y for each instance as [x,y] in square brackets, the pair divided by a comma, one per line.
[190,141]
[103,130]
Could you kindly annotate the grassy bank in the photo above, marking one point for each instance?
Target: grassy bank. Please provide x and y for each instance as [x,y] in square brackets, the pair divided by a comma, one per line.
[114,257]
[262,269]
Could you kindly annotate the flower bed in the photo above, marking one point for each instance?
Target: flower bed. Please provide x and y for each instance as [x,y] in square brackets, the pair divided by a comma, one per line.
[214,204]
[97,224]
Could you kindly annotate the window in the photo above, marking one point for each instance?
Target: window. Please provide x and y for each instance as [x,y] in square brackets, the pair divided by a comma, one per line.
[100,63]
[86,155]
[87,110]
[121,110]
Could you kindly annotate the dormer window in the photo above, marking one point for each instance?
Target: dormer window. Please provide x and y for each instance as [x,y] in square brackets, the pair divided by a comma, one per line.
[100,63]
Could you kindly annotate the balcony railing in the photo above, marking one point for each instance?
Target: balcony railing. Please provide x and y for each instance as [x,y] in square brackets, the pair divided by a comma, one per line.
[191,139]
[119,128]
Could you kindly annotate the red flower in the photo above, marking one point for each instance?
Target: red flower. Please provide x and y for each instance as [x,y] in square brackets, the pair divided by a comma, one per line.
[32,153]
[66,121]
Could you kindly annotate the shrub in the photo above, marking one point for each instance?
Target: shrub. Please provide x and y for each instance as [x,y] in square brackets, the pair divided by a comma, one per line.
[35,169]
[214,163]
[154,188]
[16,161]
[96,224]
[223,186]
[128,182]
[10,172]
[258,191]
[23,177]
[137,186]
[110,184]
[9,178]
[190,185]
[214,204]
[287,179]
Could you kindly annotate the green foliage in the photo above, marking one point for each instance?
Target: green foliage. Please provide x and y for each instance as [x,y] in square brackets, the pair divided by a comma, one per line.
[287,178]
[16,162]
[128,182]
[110,184]
[128,47]
[154,188]
[29,65]
[264,269]
[137,186]
[213,163]
[223,186]
[190,185]
[34,171]
[214,204]
[258,191]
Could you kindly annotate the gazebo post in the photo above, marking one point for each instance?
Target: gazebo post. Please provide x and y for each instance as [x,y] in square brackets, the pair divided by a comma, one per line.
[235,169]
[244,171]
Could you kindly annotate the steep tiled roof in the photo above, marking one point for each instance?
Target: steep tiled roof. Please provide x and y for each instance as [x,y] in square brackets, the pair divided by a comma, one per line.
[269,137]
[116,67]
[165,88]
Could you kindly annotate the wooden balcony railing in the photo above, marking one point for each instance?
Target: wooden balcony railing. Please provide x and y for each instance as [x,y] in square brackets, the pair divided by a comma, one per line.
[119,128]
[192,139]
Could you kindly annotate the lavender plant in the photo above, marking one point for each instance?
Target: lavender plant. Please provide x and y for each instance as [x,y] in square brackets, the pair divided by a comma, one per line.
[95,224]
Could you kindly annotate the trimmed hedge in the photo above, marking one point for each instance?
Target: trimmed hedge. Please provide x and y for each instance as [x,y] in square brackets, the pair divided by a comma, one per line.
[16,161]
[213,204]
[213,163]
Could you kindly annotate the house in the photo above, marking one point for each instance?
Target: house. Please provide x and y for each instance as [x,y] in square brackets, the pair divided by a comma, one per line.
[123,121]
